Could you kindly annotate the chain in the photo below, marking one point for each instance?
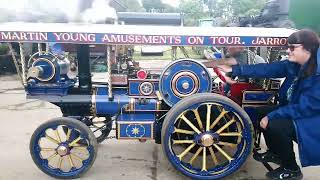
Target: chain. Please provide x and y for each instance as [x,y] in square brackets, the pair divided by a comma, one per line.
[267,81]
[251,55]
[23,64]
[111,137]
[269,49]
[109,71]
[47,47]
[15,61]
[39,48]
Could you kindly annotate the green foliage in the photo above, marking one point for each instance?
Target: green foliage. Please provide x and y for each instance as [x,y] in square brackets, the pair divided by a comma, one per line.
[233,9]
[247,7]
[149,5]
[228,10]
[305,14]
[4,49]
[157,6]
[168,9]
[132,5]
[192,10]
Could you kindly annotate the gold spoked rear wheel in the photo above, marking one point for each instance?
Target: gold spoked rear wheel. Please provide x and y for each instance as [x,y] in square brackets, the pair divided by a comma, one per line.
[207,137]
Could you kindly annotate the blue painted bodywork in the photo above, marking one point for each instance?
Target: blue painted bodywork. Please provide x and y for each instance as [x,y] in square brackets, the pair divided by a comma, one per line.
[136,117]
[135,130]
[106,106]
[58,89]
[51,80]
[258,96]
[166,86]
[134,87]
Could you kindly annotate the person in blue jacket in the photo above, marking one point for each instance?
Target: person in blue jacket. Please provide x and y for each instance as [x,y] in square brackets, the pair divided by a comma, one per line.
[297,118]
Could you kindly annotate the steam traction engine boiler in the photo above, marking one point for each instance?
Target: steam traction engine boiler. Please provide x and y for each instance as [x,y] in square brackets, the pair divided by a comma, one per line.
[204,135]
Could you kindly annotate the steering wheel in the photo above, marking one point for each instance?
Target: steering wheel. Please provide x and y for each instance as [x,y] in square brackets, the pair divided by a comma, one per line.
[220,74]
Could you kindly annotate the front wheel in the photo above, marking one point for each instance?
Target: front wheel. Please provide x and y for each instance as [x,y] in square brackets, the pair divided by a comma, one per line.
[207,136]
[63,148]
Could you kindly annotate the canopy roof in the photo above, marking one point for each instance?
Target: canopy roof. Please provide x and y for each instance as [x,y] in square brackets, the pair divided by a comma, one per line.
[147,35]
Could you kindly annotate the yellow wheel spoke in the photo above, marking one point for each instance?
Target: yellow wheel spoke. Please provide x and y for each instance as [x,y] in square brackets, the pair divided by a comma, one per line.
[68,134]
[216,121]
[82,149]
[223,152]
[231,134]
[52,156]
[60,162]
[227,144]
[183,131]
[70,161]
[190,124]
[204,159]
[226,125]
[48,149]
[226,115]
[51,139]
[213,156]
[183,141]
[208,117]
[58,137]
[194,157]
[239,129]
[196,113]
[75,141]
[76,157]
[180,156]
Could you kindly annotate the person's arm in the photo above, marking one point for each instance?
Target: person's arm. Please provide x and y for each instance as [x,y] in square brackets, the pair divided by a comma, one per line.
[308,105]
[226,61]
[277,69]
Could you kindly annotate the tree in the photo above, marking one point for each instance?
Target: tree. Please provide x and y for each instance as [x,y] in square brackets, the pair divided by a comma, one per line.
[157,6]
[150,5]
[168,9]
[247,7]
[132,5]
[192,11]
[231,10]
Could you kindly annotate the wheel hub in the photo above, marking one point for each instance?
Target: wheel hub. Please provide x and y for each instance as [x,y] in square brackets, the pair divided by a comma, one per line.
[62,150]
[207,140]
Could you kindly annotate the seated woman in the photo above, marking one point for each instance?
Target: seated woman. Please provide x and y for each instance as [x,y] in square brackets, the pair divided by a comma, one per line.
[297,118]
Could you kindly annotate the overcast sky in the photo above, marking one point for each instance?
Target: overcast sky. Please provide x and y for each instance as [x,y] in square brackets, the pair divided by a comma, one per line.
[174,3]
[23,9]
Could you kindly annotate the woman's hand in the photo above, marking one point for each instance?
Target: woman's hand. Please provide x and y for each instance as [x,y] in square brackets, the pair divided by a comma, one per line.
[226,69]
[264,122]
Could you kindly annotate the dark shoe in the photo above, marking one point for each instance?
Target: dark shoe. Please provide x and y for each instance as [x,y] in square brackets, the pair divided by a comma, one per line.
[266,157]
[283,173]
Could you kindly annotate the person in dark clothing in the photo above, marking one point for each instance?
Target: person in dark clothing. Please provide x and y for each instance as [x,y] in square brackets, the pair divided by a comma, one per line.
[297,118]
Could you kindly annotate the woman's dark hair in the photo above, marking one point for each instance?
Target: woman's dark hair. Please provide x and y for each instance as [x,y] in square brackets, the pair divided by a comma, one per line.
[310,42]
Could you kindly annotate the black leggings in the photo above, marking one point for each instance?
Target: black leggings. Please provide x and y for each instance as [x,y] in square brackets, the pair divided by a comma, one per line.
[279,136]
